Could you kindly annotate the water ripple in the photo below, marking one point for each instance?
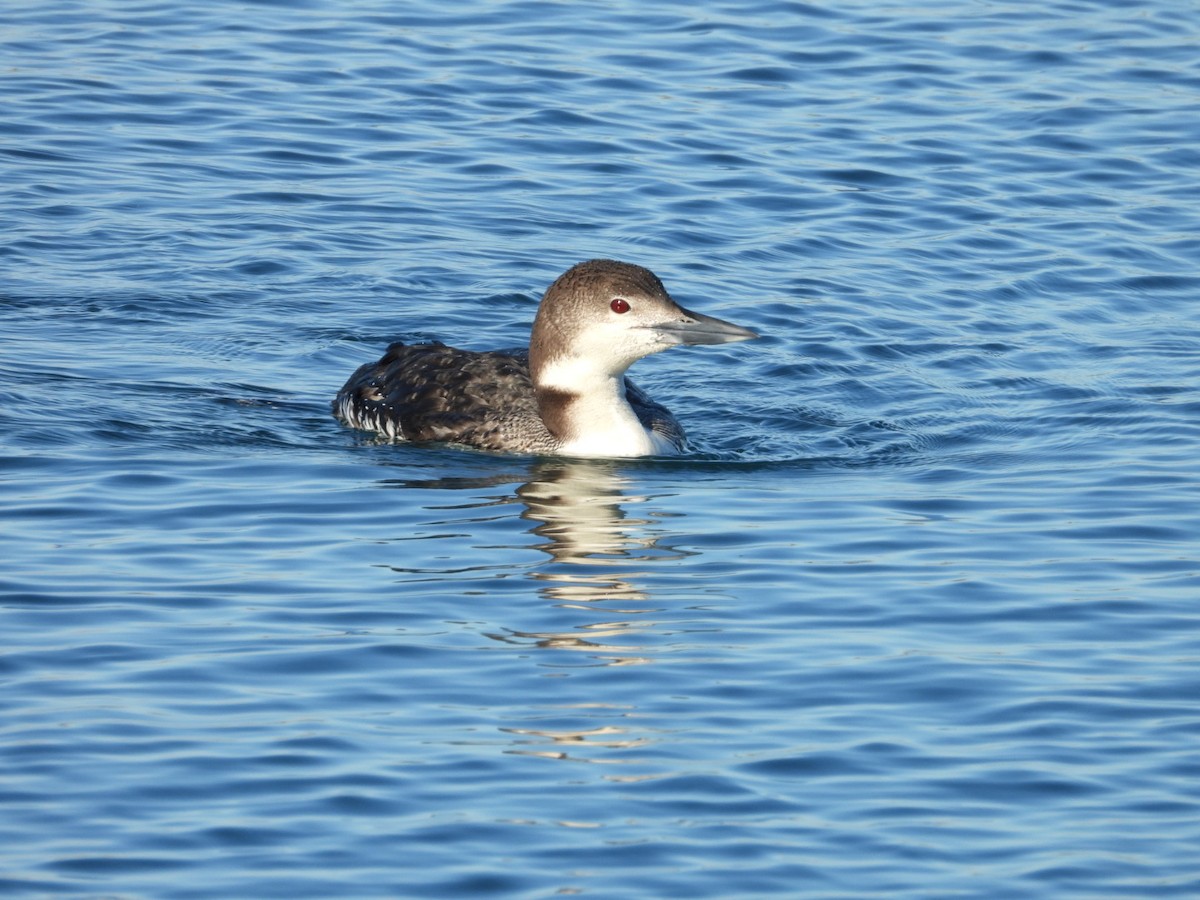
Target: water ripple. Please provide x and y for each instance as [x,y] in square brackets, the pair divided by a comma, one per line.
[914,617]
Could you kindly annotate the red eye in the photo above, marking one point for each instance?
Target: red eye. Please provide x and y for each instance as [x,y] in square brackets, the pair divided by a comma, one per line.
[619,306]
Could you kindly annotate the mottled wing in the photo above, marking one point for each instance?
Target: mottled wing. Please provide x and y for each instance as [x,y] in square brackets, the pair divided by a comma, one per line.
[654,416]
[431,392]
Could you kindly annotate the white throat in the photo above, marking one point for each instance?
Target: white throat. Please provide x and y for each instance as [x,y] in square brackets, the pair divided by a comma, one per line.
[600,422]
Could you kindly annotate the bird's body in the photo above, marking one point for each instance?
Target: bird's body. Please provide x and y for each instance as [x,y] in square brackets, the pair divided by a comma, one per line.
[566,395]
[431,392]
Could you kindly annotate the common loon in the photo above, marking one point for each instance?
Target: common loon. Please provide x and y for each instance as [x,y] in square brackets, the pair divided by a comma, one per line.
[565,395]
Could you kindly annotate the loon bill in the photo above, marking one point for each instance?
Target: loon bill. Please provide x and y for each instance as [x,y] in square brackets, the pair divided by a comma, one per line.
[566,395]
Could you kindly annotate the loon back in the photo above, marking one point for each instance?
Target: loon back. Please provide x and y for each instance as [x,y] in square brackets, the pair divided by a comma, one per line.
[431,392]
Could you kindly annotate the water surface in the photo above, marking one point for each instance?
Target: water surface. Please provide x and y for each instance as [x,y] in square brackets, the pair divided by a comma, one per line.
[916,616]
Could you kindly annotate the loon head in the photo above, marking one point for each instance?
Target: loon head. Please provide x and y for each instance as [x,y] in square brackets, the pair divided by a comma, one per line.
[601,316]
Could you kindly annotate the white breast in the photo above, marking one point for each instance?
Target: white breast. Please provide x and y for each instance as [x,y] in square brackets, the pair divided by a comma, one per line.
[602,423]
[630,441]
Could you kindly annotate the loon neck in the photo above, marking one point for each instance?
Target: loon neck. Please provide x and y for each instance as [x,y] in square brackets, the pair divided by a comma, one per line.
[586,410]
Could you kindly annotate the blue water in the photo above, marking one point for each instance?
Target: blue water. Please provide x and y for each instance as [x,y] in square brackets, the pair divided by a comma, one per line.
[917,617]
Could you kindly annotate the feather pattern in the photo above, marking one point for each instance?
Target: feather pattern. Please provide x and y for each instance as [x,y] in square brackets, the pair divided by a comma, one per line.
[566,394]
[431,392]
